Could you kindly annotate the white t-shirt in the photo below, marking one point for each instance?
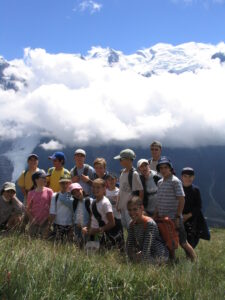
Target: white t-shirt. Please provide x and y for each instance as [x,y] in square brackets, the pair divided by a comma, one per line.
[103,207]
[125,190]
[80,218]
[113,198]
[63,214]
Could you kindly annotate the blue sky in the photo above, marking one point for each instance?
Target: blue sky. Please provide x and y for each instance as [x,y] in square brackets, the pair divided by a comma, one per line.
[74,26]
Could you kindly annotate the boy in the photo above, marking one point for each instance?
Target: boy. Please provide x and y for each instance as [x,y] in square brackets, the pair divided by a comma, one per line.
[130,182]
[102,220]
[57,171]
[144,243]
[156,150]
[194,221]
[112,193]
[100,168]
[11,209]
[170,202]
[81,172]
[25,180]
[60,214]
[80,208]
[149,181]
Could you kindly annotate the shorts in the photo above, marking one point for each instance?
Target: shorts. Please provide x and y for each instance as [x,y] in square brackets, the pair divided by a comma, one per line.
[182,233]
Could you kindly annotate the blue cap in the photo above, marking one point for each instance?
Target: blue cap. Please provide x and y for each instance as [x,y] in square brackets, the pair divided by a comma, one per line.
[164,160]
[57,155]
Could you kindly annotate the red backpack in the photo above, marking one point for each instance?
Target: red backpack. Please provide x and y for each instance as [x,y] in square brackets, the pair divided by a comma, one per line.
[168,232]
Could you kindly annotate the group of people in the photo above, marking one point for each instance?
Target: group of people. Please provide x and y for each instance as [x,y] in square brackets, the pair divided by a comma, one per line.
[91,206]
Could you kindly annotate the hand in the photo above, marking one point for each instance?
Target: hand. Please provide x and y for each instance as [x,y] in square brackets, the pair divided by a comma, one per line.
[75,179]
[85,230]
[186,217]
[85,178]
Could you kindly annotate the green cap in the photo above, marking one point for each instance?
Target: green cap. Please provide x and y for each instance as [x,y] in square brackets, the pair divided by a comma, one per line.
[65,178]
[126,154]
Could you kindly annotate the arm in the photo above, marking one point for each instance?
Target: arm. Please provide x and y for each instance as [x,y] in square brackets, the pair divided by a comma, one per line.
[106,227]
[149,239]
[180,208]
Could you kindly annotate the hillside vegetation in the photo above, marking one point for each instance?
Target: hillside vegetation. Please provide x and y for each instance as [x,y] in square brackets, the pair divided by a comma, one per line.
[38,269]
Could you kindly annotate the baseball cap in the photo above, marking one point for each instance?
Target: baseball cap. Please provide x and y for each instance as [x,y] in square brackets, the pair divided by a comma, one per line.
[142,161]
[75,186]
[32,155]
[80,151]
[126,153]
[65,178]
[7,186]
[188,171]
[57,155]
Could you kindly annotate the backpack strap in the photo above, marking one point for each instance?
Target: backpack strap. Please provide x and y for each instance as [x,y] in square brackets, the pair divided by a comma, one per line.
[130,177]
[50,171]
[56,199]
[86,169]
[156,179]
[97,215]
[75,204]
[87,203]
[75,173]
[145,220]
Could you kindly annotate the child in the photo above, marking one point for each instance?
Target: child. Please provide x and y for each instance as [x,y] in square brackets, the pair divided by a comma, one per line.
[149,181]
[81,172]
[80,207]
[170,202]
[144,243]
[194,221]
[156,150]
[38,204]
[25,180]
[11,209]
[57,171]
[130,182]
[60,214]
[100,168]
[102,220]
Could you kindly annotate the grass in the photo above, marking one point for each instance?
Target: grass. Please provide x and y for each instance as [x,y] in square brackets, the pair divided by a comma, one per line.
[37,269]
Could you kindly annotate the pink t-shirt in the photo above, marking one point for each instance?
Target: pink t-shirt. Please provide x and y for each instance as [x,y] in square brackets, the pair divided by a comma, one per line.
[38,204]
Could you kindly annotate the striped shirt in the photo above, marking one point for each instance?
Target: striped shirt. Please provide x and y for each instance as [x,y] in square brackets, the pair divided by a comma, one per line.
[168,191]
[145,237]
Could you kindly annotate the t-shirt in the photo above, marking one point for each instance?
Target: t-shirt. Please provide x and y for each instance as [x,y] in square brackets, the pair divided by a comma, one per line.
[153,164]
[38,204]
[63,214]
[103,207]
[86,186]
[145,238]
[168,191]
[113,198]
[25,179]
[54,178]
[125,192]
[79,216]
[7,209]
[151,189]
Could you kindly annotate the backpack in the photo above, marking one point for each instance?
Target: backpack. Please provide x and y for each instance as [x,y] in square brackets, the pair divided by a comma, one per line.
[168,233]
[87,203]
[85,171]
[112,237]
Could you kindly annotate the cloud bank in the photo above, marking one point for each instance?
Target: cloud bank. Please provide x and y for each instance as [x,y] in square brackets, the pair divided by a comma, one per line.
[89,100]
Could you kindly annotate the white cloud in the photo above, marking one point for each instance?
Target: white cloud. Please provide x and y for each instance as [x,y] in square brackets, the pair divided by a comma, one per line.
[86,102]
[52,145]
[89,5]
